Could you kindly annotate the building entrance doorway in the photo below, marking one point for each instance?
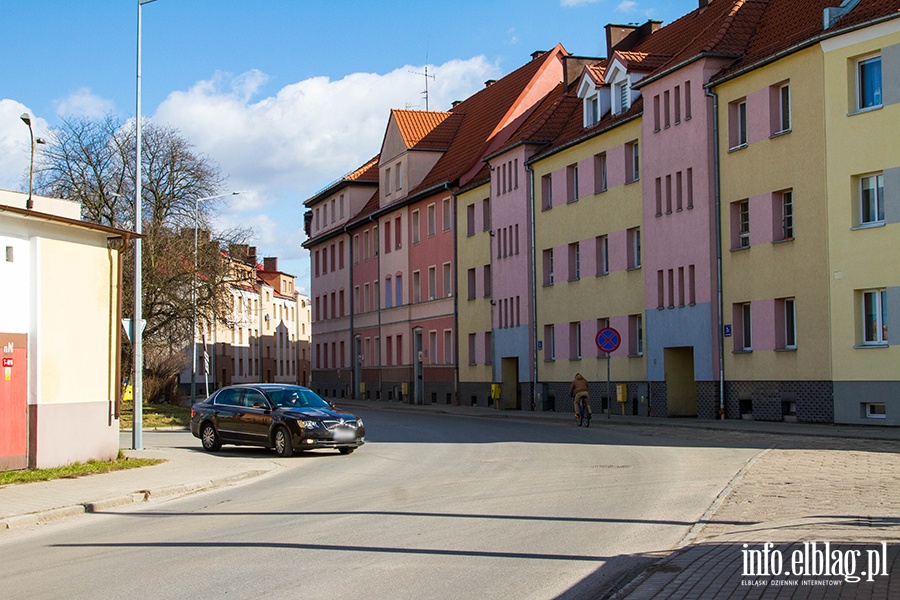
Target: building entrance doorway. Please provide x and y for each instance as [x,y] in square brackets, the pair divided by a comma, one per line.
[681,389]
[510,398]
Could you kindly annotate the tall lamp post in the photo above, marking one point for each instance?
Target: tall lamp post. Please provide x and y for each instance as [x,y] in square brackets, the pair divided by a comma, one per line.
[194,292]
[137,440]
[26,118]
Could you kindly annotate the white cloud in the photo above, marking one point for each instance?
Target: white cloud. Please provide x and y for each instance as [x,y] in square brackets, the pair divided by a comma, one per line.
[15,143]
[279,150]
[84,103]
[627,6]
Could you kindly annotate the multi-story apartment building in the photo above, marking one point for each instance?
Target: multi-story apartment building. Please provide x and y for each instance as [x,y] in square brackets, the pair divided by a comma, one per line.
[402,324]
[263,335]
[716,190]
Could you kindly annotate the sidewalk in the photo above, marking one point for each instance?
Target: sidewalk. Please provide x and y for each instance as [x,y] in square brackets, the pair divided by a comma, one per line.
[184,471]
[839,484]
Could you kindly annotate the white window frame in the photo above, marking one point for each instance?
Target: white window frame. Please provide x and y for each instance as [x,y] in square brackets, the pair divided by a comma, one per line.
[602,255]
[879,301]
[432,220]
[784,108]
[787,215]
[743,211]
[878,191]
[790,323]
[878,97]
[746,327]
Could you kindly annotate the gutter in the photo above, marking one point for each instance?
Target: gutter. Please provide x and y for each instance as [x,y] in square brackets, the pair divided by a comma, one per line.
[718,204]
[533,274]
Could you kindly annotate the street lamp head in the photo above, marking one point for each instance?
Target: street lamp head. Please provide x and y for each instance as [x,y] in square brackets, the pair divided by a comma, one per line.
[26,118]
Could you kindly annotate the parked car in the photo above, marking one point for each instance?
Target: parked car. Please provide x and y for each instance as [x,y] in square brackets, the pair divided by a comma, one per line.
[287,418]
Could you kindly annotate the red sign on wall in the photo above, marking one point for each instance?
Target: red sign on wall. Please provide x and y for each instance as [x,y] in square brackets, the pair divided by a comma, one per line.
[7,362]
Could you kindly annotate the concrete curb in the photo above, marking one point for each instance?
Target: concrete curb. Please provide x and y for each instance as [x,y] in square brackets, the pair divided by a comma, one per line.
[138,496]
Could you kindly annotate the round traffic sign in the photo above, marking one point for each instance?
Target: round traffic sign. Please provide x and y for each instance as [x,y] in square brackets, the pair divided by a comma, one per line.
[608,339]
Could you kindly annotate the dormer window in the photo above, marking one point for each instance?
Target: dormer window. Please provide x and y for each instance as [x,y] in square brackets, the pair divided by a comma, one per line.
[622,103]
[591,110]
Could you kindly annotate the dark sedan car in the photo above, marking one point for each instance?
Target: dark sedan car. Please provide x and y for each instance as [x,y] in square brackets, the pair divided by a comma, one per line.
[287,418]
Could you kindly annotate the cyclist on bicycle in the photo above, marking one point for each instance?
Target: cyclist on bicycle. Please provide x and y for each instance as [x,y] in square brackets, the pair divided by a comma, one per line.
[578,391]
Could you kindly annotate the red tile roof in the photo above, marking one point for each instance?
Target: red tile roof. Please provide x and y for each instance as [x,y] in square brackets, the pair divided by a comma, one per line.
[415,125]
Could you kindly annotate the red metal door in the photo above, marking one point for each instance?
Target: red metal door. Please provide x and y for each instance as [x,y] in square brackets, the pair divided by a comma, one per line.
[13,401]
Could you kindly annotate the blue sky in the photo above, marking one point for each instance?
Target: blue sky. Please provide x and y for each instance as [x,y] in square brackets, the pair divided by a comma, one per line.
[285,95]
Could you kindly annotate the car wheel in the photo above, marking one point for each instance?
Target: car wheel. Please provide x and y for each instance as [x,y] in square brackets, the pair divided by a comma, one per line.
[210,438]
[346,449]
[283,446]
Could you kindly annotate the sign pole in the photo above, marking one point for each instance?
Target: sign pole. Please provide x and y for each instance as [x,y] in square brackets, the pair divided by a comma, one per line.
[608,389]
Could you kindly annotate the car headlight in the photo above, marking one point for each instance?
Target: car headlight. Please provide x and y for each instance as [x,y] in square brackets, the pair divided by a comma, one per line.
[309,424]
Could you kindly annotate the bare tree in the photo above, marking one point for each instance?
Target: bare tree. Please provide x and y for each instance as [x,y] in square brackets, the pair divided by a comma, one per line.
[92,161]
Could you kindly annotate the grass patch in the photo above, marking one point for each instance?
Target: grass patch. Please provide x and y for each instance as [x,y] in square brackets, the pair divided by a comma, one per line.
[156,415]
[91,467]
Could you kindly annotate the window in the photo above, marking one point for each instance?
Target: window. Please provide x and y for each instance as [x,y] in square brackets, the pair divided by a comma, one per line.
[470,220]
[398,233]
[634,161]
[786,309]
[487,281]
[571,183]
[447,220]
[622,96]
[389,350]
[486,214]
[868,83]
[387,292]
[448,280]
[387,237]
[687,100]
[341,254]
[488,351]
[472,346]
[324,215]
[549,342]
[871,199]
[432,220]
[737,113]
[471,283]
[400,349]
[546,192]
[366,243]
[743,330]
[784,108]
[677,104]
[692,285]
[415,227]
[876,410]
[875,325]
[666,109]
[591,110]
[602,249]
[398,171]
[448,347]
[656,113]
[433,347]
[356,249]
[548,266]
[416,287]
[398,296]
[635,335]
[432,283]
[574,261]
[600,181]
[387,182]
[740,224]
[689,184]
[575,340]
[634,248]
[787,215]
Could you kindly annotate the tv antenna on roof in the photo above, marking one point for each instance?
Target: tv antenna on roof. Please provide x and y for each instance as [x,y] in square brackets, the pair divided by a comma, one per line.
[427,77]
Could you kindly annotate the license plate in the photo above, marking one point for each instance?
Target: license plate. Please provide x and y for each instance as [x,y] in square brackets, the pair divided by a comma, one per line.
[344,435]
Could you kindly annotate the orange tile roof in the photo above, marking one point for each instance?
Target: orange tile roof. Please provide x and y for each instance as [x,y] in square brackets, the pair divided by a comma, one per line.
[367,172]
[415,125]
[480,117]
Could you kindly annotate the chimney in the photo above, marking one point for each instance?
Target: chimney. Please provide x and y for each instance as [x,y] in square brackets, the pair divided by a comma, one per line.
[270,264]
[704,3]
[489,83]
[455,103]
[626,37]
[537,54]
[251,255]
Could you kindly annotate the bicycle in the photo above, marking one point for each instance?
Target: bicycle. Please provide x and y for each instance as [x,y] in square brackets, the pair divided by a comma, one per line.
[584,415]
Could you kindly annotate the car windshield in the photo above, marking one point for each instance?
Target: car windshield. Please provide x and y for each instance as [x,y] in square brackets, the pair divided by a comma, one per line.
[297,398]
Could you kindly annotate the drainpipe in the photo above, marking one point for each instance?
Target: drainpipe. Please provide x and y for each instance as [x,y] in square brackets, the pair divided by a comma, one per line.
[534,323]
[718,204]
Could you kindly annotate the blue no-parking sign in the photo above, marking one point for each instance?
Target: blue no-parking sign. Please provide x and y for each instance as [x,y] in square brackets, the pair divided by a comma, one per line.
[608,339]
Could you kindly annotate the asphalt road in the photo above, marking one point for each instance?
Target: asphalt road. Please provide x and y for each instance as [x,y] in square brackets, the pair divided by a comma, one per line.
[433,506]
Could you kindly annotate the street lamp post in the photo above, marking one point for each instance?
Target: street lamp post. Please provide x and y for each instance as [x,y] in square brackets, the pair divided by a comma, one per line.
[26,118]
[137,440]
[197,202]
